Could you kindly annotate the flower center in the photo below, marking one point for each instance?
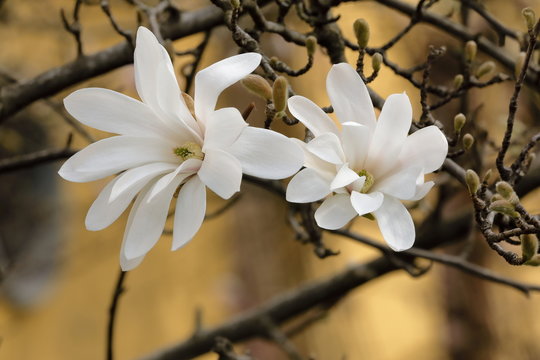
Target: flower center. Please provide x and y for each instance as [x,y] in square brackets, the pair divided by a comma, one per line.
[189,150]
[369,180]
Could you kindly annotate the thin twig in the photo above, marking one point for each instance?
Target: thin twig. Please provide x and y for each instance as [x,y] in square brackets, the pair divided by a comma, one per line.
[118,291]
[36,158]
[504,172]
[457,262]
[74,28]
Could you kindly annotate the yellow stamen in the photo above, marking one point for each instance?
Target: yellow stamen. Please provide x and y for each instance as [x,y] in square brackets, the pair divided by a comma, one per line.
[369,181]
[189,150]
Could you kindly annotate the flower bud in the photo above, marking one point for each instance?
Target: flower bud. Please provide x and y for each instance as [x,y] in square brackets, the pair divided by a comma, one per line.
[280,92]
[311,45]
[507,192]
[504,188]
[257,85]
[485,69]
[529,246]
[458,81]
[274,61]
[468,141]
[496,197]
[472,180]
[504,207]
[188,100]
[520,61]
[235,4]
[529,17]
[459,122]
[470,51]
[487,176]
[535,261]
[280,115]
[361,31]
[376,61]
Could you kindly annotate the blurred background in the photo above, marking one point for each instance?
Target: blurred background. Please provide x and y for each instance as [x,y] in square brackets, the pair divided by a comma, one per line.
[58,284]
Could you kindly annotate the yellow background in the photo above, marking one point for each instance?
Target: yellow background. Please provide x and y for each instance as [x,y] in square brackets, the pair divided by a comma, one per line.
[247,255]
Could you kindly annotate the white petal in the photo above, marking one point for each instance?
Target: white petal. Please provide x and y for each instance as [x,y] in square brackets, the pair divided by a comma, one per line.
[147,59]
[335,212]
[118,194]
[355,139]
[401,185]
[324,168]
[189,213]
[210,82]
[186,169]
[390,134]
[171,102]
[396,224]
[102,214]
[328,148]
[349,96]
[112,155]
[148,221]
[137,177]
[267,154]
[221,172]
[358,184]
[344,177]
[312,116]
[113,112]
[125,263]
[307,186]
[366,203]
[426,148]
[422,190]
[129,264]
[223,127]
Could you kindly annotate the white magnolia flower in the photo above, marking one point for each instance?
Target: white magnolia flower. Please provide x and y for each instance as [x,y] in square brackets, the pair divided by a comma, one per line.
[165,151]
[368,166]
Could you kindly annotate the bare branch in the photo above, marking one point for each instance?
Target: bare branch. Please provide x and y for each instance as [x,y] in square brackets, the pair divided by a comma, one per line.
[14,97]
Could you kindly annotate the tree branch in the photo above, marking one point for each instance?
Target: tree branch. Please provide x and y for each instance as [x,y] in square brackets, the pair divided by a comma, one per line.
[461,32]
[15,97]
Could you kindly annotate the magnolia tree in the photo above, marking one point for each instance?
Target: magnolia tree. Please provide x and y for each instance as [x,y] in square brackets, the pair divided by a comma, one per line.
[173,146]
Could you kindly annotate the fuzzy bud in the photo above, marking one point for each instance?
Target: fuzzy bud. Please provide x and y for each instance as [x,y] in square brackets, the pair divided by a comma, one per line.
[504,207]
[496,197]
[487,176]
[520,62]
[311,45]
[472,180]
[280,92]
[535,261]
[529,17]
[459,122]
[529,246]
[361,31]
[376,61]
[468,141]
[458,81]
[188,100]
[504,188]
[507,192]
[470,51]
[274,61]
[485,69]
[257,85]
[235,4]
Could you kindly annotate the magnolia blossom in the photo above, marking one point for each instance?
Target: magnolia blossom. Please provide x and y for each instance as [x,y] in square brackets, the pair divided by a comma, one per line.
[367,166]
[163,150]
